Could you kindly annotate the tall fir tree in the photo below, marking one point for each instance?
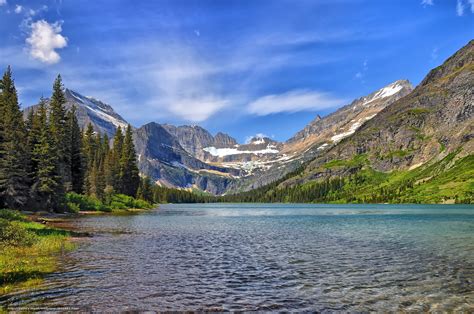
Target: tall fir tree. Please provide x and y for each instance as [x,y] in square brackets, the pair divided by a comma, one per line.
[129,170]
[47,187]
[88,156]
[14,155]
[59,131]
[75,150]
[114,175]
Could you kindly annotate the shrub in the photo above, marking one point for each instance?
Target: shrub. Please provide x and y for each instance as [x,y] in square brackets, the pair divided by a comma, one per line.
[78,202]
[13,234]
[11,215]
[121,201]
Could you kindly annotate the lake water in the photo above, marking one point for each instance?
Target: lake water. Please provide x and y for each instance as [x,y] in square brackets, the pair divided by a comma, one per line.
[269,257]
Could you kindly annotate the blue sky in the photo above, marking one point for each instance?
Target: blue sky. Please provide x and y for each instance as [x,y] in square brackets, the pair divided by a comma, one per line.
[243,67]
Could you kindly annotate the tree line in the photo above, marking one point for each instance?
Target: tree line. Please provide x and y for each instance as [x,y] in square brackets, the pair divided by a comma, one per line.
[48,155]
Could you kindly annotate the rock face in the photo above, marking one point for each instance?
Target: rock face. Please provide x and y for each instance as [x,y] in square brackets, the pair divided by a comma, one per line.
[89,110]
[436,119]
[195,138]
[162,157]
[345,121]
[323,133]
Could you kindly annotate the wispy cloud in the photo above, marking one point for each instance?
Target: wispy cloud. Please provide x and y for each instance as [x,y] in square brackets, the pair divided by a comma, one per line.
[471,2]
[459,8]
[434,54]
[249,138]
[3,2]
[18,9]
[427,2]
[361,74]
[293,101]
[43,41]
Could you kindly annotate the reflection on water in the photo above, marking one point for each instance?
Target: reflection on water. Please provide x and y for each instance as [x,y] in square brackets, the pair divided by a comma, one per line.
[269,257]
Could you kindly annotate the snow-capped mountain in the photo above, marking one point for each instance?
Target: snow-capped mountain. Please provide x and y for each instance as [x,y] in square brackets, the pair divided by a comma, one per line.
[191,157]
[323,133]
[102,116]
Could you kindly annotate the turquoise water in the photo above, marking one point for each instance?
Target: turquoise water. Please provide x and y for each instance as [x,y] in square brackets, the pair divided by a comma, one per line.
[269,257]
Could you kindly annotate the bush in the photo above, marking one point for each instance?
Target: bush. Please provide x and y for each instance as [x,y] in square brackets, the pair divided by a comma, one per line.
[11,215]
[13,234]
[78,202]
[121,201]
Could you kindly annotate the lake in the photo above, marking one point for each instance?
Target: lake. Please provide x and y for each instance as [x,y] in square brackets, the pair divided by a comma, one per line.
[273,257]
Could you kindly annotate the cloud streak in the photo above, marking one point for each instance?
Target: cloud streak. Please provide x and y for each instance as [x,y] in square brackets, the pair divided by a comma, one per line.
[293,101]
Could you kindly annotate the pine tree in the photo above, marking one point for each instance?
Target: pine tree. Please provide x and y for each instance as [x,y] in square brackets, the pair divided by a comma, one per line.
[14,159]
[47,186]
[114,175]
[129,171]
[75,151]
[88,155]
[59,132]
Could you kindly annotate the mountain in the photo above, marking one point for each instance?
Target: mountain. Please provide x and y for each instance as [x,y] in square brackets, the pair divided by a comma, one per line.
[162,157]
[417,149]
[90,110]
[345,121]
[321,134]
[394,139]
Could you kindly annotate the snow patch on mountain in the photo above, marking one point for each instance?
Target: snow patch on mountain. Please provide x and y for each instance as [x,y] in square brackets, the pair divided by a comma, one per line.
[338,137]
[103,112]
[222,152]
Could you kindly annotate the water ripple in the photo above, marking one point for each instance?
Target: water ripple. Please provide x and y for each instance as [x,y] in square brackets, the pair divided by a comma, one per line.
[287,258]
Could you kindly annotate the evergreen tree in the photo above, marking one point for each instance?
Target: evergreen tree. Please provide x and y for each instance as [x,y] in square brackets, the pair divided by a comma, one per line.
[47,186]
[60,139]
[75,153]
[14,159]
[88,155]
[145,190]
[114,165]
[129,174]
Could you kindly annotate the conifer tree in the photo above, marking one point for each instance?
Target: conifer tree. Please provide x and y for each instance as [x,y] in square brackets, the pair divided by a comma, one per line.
[47,186]
[129,174]
[59,131]
[14,162]
[88,155]
[112,163]
[75,157]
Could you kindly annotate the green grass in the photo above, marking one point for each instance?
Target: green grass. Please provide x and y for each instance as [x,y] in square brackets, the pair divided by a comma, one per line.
[356,161]
[434,183]
[28,251]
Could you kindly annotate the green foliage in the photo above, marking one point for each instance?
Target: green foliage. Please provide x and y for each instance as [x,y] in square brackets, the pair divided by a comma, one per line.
[418,111]
[13,233]
[436,182]
[122,201]
[13,153]
[77,202]
[27,250]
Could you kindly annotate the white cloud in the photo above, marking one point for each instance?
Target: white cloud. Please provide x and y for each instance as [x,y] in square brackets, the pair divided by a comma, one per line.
[434,54]
[197,109]
[427,2]
[360,74]
[3,2]
[471,3]
[18,9]
[44,39]
[249,138]
[459,8]
[293,101]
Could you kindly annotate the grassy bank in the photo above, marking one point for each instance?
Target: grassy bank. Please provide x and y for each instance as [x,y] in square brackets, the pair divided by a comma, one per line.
[28,250]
